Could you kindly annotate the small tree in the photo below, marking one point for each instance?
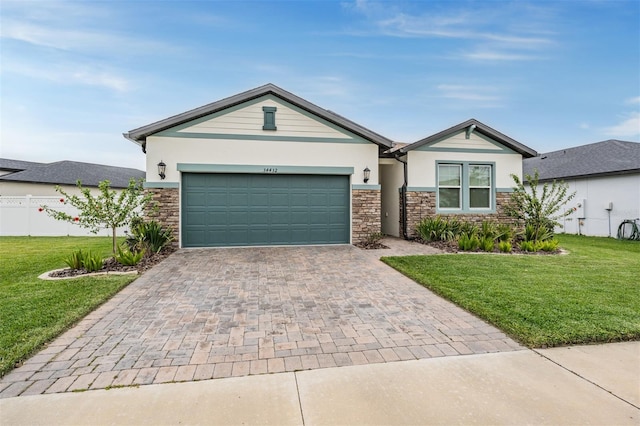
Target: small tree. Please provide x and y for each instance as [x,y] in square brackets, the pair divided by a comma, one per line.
[540,210]
[108,209]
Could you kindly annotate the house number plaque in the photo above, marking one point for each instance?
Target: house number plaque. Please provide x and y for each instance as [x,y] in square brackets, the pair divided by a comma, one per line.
[270,170]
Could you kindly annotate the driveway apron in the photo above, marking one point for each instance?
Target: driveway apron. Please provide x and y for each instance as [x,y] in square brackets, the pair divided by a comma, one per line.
[213,313]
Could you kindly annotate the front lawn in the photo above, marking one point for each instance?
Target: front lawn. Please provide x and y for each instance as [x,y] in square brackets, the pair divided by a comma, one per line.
[590,295]
[33,311]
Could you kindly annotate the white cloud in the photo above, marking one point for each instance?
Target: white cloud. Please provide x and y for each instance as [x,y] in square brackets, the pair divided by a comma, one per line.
[584,126]
[81,40]
[103,79]
[62,13]
[470,93]
[486,55]
[486,29]
[69,73]
[629,127]
[633,101]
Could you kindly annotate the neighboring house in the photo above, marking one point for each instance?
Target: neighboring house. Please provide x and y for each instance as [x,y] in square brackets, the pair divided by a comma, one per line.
[12,166]
[28,178]
[26,186]
[606,179]
[266,167]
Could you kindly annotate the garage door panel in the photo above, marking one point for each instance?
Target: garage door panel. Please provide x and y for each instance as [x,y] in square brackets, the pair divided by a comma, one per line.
[237,234]
[297,217]
[258,236]
[279,199]
[318,218]
[238,199]
[336,200]
[259,217]
[318,200]
[214,217]
[235,181]
[279,218]
[218,198]
[196,199]
[299,199]
[335,218]
[318,233]
[214,234]
[338,232]
[237,210]
[195,236]
[235,218]
[274,183]
[259,199]
[299,235]
[195,218]
[280,235]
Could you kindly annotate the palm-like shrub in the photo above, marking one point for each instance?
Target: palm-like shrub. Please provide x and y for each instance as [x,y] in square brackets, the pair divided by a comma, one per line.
[149,236]
[126,257]
[436,229]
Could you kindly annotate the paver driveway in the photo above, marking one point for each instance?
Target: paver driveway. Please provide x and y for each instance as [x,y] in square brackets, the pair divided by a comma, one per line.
[210,313]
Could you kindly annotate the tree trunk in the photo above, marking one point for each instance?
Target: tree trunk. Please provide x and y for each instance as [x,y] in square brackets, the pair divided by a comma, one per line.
[113,236]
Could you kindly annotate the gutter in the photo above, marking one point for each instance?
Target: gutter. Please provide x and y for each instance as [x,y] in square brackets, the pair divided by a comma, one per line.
[143,144]
[403,196]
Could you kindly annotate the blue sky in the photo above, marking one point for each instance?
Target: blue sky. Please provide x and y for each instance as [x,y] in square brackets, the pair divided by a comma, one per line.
[75,75]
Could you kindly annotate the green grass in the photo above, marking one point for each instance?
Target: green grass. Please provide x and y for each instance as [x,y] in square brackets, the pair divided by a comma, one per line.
[590,295]
[34,311]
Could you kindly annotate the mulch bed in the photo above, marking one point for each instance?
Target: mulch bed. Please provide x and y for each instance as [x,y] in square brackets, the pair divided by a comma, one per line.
[374,245]
[452,247]
[110,265]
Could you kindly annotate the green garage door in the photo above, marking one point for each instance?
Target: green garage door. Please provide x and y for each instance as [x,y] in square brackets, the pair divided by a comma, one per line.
[256,209]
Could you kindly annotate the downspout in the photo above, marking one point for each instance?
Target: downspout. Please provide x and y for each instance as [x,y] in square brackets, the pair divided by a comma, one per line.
[403,197]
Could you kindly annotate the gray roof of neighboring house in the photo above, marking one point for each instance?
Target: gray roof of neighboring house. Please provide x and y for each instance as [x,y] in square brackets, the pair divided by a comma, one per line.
[481,128]
[17,165]
[69,172]
[609,157]
[140,134]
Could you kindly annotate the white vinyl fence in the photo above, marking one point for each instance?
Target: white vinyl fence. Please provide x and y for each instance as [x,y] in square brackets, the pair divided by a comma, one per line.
[21,216]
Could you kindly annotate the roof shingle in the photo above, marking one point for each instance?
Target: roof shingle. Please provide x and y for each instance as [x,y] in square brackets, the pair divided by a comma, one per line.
[601,158]
[69,172]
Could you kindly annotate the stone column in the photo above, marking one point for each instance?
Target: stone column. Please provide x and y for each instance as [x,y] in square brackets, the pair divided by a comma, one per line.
[419,204]
[165,209]
[366,211]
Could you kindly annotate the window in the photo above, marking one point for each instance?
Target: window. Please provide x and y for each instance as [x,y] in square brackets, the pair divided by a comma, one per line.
[479,186]
[449,186]
[465,187]
[269,118]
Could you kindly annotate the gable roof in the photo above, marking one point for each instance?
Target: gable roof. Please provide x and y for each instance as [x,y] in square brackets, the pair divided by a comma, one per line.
[481,128]
[608,157]
[140,134]
[68,172]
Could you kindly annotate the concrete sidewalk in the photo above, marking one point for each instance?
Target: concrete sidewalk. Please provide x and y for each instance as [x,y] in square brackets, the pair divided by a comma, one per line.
[576,385]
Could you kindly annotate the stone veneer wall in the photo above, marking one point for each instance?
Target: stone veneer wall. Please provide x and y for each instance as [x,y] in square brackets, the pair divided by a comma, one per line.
[423,204]
[366,208]
[165,209]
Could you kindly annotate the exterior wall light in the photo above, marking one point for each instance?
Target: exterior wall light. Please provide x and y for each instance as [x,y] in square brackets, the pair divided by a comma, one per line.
[161,169]
[367,173]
